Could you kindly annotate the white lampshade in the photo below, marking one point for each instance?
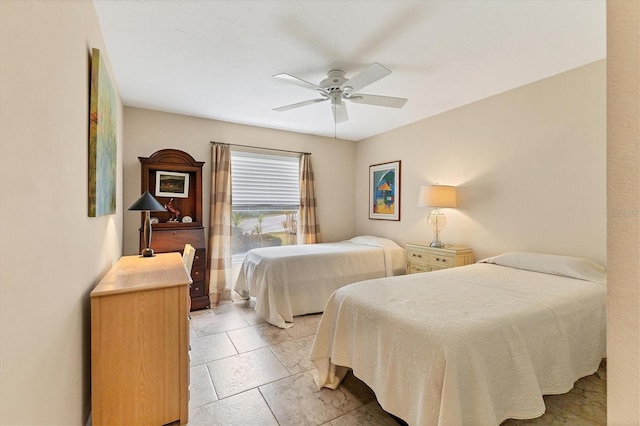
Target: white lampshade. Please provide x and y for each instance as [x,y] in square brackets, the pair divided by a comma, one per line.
[437,196]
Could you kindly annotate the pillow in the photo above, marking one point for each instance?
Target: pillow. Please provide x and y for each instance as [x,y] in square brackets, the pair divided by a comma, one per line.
[566,266]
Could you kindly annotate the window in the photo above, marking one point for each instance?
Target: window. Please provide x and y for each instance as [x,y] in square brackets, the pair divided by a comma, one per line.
[265,201]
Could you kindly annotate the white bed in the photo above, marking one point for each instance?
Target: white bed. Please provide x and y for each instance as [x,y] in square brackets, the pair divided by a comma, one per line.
[472,345]
[296,280]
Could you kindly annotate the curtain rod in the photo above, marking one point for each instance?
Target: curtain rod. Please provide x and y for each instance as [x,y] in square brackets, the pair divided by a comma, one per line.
[259,147]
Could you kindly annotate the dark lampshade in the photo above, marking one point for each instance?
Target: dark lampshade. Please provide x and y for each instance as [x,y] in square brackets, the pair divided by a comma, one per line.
[147,202]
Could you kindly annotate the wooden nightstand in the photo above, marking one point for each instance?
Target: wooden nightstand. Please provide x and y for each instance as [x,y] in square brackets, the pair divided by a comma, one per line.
[422,258]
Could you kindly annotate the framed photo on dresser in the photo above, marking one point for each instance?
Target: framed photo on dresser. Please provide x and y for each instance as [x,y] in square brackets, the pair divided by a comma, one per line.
[172,184]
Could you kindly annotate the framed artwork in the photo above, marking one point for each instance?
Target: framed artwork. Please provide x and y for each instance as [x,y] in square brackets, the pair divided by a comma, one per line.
[384,191]
[172,184]
[102,140]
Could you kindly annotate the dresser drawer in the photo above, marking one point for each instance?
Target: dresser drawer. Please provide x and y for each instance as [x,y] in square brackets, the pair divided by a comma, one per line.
[199,258]
[198,269]
[197,273]
[167,239]
[197,289]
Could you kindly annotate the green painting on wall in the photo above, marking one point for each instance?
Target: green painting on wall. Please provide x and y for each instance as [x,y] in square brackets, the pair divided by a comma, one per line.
[102,141]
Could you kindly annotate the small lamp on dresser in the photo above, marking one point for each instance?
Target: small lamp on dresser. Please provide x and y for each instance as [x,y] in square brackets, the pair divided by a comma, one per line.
[147,203]
[437,196]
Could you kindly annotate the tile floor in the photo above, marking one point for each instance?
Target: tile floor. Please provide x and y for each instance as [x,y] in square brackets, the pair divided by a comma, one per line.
[247,372]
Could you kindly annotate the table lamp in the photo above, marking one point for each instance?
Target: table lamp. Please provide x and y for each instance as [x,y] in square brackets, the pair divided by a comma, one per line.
[438,196]
[147,203]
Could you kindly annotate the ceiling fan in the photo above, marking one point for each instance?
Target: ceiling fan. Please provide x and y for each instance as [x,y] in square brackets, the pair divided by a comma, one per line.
[336,88]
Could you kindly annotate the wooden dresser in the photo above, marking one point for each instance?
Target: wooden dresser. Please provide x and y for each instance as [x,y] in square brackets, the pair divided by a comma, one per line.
[168,234]
[422,258]
[140,342]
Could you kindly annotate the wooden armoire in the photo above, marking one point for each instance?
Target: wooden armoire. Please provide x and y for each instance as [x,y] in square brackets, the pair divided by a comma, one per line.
[170,233]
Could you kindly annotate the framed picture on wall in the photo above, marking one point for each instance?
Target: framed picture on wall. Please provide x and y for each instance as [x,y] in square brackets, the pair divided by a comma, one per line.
[172,184]
[103,145]
[384,191]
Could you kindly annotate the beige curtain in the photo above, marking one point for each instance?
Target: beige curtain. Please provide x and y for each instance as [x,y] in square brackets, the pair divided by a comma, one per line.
[308,226]
[219,247]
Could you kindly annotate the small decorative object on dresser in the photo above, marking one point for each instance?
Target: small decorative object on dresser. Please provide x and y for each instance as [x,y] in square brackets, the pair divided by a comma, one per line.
[181,193]
[423,258]
[175,213]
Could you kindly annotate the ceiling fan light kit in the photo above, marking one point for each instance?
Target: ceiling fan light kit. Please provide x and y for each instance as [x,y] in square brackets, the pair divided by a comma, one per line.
[337,88]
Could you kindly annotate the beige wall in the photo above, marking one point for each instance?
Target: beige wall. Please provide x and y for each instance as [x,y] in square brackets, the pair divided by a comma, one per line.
[148,131]
[623,226]
[51,252]
[529,165]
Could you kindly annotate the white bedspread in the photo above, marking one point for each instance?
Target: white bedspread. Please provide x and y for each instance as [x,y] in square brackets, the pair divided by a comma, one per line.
[295,280]
[473,345]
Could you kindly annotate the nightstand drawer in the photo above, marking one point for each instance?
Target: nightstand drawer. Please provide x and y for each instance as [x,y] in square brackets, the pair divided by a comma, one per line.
[415,268]
[441,261]
[418,256]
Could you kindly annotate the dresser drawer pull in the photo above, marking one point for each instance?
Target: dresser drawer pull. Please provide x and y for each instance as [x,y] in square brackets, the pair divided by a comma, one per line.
[416,255]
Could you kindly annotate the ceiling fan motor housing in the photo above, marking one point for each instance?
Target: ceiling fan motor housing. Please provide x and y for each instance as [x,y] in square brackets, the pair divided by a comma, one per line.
[334,80]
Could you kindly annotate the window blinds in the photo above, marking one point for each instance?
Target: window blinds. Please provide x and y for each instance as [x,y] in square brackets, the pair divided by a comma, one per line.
[264,181]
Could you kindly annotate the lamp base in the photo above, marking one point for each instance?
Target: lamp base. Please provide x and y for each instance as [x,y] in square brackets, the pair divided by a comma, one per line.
[147,252]
[437,220]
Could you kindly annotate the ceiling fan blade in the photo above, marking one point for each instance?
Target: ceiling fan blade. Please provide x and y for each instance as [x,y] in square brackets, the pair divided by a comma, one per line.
[339,112]
[370,74]
[300,104]
[298,81]
[385,101]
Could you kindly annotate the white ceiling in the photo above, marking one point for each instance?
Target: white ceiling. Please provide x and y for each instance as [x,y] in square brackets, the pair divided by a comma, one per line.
[216,59]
